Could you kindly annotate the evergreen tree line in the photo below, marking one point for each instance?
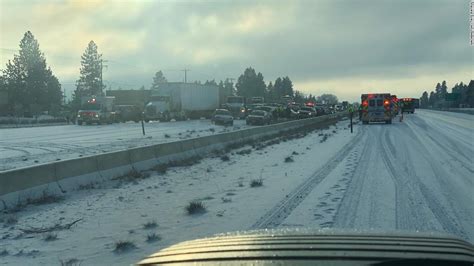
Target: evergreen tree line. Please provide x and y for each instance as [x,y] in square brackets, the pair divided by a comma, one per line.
[29,83]
[439,98]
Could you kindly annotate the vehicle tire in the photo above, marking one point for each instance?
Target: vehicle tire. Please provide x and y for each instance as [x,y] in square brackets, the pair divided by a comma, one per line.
[388,121]
[79,123]
[365,122]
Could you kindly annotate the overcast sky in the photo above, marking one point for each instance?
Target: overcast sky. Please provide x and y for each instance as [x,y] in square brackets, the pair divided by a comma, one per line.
[325,46]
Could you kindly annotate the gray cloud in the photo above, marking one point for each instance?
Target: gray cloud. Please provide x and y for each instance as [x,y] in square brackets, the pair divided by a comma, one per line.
[306,40]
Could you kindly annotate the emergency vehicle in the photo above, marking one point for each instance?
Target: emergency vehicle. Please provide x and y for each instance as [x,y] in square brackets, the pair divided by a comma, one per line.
[376,107]
[408,105]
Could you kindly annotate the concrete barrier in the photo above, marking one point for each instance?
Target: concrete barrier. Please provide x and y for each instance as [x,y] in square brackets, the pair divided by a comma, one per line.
[24,183]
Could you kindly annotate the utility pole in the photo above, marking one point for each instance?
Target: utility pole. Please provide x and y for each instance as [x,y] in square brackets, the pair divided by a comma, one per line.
[102,61]
[185,74]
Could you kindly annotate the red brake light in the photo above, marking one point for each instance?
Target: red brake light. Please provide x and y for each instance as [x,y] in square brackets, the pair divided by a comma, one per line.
[386,102]
[365,103]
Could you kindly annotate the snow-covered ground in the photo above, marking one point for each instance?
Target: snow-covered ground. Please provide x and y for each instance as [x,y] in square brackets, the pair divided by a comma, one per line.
[20,147]
[415,175]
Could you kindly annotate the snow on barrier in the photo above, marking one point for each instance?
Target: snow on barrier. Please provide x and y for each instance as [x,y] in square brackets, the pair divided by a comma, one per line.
[20,185]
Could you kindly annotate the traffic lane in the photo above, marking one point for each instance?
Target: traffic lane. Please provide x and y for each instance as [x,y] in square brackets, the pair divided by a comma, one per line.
[26,147]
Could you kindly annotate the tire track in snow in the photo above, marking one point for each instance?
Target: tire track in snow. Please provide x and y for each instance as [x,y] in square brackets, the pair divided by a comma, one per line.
[449,146]
[276,215]
[346,212]
[403,219]
[410,185]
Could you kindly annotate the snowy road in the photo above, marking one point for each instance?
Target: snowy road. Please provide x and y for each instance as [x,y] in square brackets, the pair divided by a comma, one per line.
[416,175]
[21,147]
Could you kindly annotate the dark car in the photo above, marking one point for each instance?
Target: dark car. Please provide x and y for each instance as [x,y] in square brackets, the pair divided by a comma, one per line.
[320,110]
[306,112]
[258,117]
[223,117]
[270,110]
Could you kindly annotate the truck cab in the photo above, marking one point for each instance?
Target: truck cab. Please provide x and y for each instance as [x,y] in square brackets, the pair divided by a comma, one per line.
[236,105]
[96,110]
[376,107]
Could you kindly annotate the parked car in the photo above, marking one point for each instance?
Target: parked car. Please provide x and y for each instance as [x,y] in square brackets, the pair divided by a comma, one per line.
[223,117]
[251,107]
[270,110]
[306,112]
[320,110]
[258,117]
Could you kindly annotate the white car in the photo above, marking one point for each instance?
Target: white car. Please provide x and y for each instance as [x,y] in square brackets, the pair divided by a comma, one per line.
[223,117]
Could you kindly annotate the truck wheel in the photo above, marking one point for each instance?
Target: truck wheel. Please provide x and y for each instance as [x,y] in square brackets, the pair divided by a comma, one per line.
[365,122]
[79,123]
[388,121]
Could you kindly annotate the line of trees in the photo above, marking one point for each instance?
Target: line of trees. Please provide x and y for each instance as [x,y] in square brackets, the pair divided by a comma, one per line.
[462,96]
[32,88]
[252,84]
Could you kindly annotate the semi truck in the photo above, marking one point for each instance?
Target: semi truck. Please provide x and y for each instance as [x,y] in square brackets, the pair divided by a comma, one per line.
[376,107]
[236,105]
[129,104]
[180,101]
[97,110]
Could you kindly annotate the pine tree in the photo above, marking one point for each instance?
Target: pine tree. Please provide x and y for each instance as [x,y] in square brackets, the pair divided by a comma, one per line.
[287,86]
[90,81]
[424,101]
[158,79]
[250,84]
[31,85]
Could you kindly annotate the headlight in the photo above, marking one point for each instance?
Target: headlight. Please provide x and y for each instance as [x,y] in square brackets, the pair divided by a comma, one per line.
[242,110]
[96,115]
[78,115]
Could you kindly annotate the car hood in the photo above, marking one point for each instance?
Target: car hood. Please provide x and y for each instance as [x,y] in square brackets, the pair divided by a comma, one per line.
[322,247]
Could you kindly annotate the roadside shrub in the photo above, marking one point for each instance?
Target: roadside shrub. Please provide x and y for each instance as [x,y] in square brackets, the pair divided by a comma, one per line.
[161,168]
[226,200]
[152,237]
[123,246]
[225,158]
[70,262]
[150,225]
[243,152]
[256,183]
[45,198]
[195,207]
[87,186]
[289,159]
[50,237]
